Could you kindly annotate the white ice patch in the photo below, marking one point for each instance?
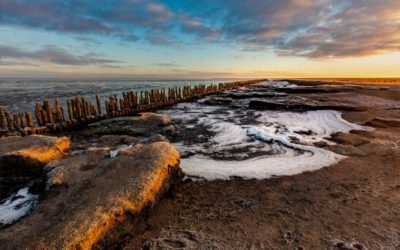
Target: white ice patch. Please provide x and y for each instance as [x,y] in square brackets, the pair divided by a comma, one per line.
[276,84]
[309,127]
[274,133]
[17,206]
[255,144]
[114,153]
[259,167]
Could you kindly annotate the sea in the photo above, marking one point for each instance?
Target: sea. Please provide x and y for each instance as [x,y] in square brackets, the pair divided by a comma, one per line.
[20,95]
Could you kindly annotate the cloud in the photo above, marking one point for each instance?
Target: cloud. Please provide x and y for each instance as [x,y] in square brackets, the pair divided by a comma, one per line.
[312,28]
[357,29]
[197,27]
[54,55]
[120,19]
[11,63]
[305,28]
[87,40]
[168,65]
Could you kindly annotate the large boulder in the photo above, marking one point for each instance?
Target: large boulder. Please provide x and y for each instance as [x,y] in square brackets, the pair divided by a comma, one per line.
[88,194]
[32,151]
[145,124]
[22,159]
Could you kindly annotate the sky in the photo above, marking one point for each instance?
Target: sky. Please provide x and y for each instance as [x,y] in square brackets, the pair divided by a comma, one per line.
[200,39]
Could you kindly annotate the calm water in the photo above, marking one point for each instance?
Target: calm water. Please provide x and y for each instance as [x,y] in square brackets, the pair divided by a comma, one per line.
[21,94]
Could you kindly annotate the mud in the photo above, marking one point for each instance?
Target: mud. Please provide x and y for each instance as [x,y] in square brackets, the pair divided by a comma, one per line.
[352,204]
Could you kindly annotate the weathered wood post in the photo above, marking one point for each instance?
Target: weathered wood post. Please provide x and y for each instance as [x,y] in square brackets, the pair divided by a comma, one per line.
[9,121]
[56,111]
[22,119]
[47,107]
[38,114]
[62,114]
[16,121]
[69,107]
[77,108]
[2,120]
[29,119]
[98,100]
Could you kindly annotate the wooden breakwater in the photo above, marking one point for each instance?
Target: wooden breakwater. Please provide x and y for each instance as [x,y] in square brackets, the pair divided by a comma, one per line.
[78,111]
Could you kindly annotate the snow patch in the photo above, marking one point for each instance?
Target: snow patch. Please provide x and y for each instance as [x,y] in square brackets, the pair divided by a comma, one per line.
[276,84]
[17,206]
[259,144]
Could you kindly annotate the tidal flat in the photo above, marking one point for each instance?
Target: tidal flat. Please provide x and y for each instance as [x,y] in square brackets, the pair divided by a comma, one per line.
[276,164]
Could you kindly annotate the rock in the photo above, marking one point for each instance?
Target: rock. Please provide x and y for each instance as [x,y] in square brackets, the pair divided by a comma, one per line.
[114,140]
[301,107]
[145,124]
[349,139]
[380,122]
[246,95]
[341,245]
[308,90]
[217,100]
[22,159]
[99,193]
[56,178]
[31,151]
[181,239]
[154,138]
[25,157]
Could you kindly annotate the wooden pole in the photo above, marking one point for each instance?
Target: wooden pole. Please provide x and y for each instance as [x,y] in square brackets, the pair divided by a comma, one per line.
[29,119]
[2,120]
[22,119]
[9,121]
[78,108]
[62,114]
[69,107]
[98,100]
[57,111]
[16,121]
[38,114]
[49,118]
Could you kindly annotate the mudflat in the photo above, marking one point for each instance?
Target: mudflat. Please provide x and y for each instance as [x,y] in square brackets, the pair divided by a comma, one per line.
[352,204]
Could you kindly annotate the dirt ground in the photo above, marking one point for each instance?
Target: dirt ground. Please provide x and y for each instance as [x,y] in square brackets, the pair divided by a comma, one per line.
[353,204]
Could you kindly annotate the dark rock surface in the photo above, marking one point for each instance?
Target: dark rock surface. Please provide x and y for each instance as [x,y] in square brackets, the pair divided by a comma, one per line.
[32,151]
[88,194]
[308,90]
[383,122]
[22,159]
[302,106]
[145,124]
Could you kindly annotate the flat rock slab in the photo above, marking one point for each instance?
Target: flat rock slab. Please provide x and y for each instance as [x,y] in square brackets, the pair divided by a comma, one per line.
[88,194]
[143,125]
[247,95]
[381,122]
[308,90]
[301,107]
[31,151]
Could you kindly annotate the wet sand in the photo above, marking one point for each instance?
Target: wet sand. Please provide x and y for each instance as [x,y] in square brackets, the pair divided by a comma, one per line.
[352,204]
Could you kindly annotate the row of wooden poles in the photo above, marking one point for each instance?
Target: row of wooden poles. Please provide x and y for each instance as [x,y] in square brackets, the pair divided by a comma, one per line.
[80,111]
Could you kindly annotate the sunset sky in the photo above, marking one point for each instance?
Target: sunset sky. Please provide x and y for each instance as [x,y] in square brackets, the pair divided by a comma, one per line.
[200,39]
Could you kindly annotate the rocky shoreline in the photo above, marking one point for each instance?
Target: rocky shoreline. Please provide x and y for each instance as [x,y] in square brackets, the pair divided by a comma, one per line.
[351,204]
[87,183]
[96,187]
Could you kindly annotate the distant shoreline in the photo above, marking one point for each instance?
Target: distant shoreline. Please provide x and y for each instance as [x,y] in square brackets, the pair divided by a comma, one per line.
[388,81]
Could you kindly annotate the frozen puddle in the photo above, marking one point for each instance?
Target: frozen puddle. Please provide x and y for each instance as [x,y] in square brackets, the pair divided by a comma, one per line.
[17,206]
[219,143]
